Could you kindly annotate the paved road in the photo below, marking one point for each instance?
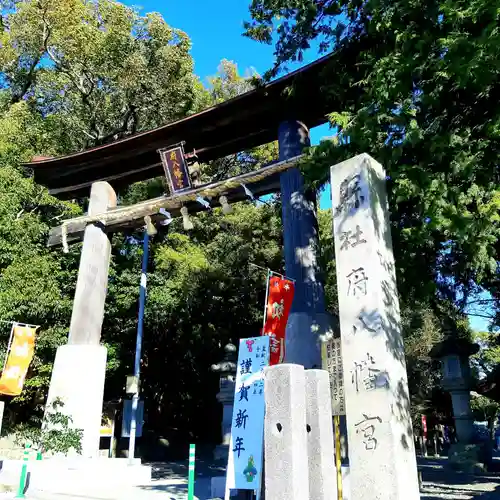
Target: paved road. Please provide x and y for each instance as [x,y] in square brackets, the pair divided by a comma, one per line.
[442,484]
[170,483]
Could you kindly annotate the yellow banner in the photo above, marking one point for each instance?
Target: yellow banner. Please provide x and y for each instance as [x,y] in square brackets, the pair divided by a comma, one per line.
[18,361]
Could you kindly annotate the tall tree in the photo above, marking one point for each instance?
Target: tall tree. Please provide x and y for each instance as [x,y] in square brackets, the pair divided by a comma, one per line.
[202,290]
[97,71]
[417,81]
[73,74]
[225,85]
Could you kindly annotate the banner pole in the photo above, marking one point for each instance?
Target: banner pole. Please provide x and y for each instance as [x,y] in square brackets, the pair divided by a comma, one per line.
[192,449]
[271,272]
[338,461]
[9,345]
[268,276]
[138,348]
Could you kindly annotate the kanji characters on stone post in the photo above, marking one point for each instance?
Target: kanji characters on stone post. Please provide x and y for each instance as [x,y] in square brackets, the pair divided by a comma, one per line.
[381,445]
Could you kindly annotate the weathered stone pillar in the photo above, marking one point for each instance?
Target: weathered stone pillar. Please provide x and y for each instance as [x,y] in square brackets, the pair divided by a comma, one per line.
[227,371]
[80,366]
[308,319]
[320,445]
[381,445]
[285,434]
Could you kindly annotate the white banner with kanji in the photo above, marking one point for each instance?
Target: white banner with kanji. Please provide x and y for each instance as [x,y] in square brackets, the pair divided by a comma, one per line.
[247,430]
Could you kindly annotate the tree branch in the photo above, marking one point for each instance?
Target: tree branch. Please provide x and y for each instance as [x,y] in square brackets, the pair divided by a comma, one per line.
[131,113]
[29,80]
[30,77]
[481,315]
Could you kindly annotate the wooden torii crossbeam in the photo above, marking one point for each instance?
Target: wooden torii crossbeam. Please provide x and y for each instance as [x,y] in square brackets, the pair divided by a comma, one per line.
[262,182]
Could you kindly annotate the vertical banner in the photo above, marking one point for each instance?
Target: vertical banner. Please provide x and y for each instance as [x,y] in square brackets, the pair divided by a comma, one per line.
[279,303]
[18,360]
[424,426]
[244,467]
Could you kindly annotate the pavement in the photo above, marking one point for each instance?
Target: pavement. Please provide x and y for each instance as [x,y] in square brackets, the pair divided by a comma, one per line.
[169,482]
[440,483]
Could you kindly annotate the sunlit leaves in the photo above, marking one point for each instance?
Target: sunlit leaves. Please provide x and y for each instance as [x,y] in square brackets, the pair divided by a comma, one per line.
[417,81]
[98,69]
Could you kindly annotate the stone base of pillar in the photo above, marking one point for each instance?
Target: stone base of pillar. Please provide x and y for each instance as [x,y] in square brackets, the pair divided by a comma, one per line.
[470,458]
[464,420]
[78,380]
[303,337]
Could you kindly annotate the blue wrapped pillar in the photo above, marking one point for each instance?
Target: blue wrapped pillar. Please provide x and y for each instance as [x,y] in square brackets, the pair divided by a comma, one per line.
[308,319]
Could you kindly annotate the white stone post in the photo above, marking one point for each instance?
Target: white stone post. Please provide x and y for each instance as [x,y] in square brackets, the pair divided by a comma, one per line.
[285,440]
[80,366]
[381,445]
[320,445]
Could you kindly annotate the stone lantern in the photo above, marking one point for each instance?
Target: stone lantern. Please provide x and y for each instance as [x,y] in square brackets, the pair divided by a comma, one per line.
[227,372]
[454,354]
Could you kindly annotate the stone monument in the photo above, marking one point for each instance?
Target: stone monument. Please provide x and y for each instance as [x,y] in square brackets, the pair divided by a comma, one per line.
[227,371]
[454,353]
[285,433]
[381,444]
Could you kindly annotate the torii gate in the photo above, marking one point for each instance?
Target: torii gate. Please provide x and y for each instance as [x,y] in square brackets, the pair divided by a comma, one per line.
[257,117]
[382,455]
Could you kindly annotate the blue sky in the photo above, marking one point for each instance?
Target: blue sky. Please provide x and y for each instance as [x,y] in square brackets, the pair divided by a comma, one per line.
[215,29]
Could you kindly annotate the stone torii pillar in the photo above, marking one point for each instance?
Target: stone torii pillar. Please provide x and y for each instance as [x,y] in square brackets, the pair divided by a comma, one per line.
[80,365]
[308,319]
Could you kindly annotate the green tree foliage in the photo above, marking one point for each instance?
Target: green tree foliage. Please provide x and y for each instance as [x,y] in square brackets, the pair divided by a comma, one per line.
[96,71]
[225,85]
[73,74]
[74,92]
[36,286]
[416,82]
[485,410]
[486,369]
[202,293]
[54,435]
[488,357]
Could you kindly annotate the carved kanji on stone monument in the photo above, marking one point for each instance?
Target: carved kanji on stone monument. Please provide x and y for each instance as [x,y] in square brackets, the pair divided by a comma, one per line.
[381,453]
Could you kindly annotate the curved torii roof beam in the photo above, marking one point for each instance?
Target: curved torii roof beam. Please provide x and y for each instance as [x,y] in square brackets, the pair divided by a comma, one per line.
[246,121]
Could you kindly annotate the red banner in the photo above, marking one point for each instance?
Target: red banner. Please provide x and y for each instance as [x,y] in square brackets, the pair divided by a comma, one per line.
[424,425]
[279,303]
